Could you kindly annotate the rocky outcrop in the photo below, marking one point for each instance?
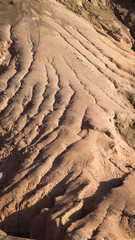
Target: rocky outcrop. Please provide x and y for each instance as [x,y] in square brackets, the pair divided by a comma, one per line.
[67,125]
[125,12]
[115,17]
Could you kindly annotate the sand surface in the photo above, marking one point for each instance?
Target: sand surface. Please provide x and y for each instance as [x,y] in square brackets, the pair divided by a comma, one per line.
[67,126]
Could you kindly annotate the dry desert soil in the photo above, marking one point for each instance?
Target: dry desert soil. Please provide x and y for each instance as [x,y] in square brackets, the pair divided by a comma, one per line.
[67,119]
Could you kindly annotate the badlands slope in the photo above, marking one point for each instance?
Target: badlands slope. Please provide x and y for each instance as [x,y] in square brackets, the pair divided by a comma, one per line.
[67,126]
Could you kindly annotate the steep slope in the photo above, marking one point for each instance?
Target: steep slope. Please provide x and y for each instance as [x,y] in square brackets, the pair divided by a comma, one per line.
[67,126]
[115,17]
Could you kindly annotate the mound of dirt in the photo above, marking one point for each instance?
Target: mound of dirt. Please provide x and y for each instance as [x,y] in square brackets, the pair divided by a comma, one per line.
[67,120]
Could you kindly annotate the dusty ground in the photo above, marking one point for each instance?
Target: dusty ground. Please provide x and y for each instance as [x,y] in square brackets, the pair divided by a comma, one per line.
[67,124]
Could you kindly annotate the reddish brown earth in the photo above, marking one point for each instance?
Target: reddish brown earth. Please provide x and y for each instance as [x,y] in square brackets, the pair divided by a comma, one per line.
[67,122]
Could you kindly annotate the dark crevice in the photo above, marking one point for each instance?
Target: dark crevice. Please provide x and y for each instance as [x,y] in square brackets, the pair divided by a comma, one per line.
[18,223]
[133,47]
[90,204]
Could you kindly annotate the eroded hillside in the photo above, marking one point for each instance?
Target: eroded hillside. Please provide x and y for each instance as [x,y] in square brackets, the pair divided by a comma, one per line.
[67,125]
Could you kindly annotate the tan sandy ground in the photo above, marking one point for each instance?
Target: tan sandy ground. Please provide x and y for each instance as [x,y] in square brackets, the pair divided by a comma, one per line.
[67,126]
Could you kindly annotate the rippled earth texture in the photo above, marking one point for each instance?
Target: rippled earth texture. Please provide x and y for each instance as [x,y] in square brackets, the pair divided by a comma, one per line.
[67,126]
